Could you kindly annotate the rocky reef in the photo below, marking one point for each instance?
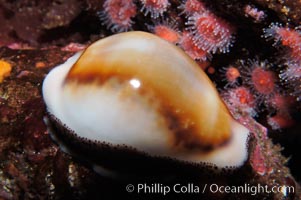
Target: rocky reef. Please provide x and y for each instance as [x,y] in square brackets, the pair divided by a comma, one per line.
[251,50]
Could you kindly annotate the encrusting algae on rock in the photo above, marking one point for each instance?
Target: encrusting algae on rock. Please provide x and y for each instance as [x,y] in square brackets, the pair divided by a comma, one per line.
[225,38]
[5,69]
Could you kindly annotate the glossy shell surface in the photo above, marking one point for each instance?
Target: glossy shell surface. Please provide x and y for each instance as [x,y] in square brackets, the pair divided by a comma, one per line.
[137,90]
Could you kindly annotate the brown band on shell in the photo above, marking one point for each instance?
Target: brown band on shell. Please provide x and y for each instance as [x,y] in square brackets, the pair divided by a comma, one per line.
[183,134]
[184,106]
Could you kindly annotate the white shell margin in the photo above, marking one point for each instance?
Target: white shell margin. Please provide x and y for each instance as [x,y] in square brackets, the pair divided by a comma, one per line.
[232,154]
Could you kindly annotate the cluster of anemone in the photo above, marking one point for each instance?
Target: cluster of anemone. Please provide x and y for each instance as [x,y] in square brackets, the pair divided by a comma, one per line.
[290,40]
[252,85]
[254,88]
[203,33]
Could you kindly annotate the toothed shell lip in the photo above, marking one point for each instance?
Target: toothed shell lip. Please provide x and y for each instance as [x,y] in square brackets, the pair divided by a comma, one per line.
[119,158]
[127,162]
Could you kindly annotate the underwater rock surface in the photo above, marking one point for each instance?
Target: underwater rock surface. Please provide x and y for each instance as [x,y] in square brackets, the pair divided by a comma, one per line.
[36,36]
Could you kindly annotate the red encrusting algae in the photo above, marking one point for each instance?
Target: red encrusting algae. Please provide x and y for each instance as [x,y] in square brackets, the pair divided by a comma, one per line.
[242,99]
[205,30]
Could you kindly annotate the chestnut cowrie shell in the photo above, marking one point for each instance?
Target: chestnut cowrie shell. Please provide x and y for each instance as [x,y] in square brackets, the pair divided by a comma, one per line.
[136,92]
